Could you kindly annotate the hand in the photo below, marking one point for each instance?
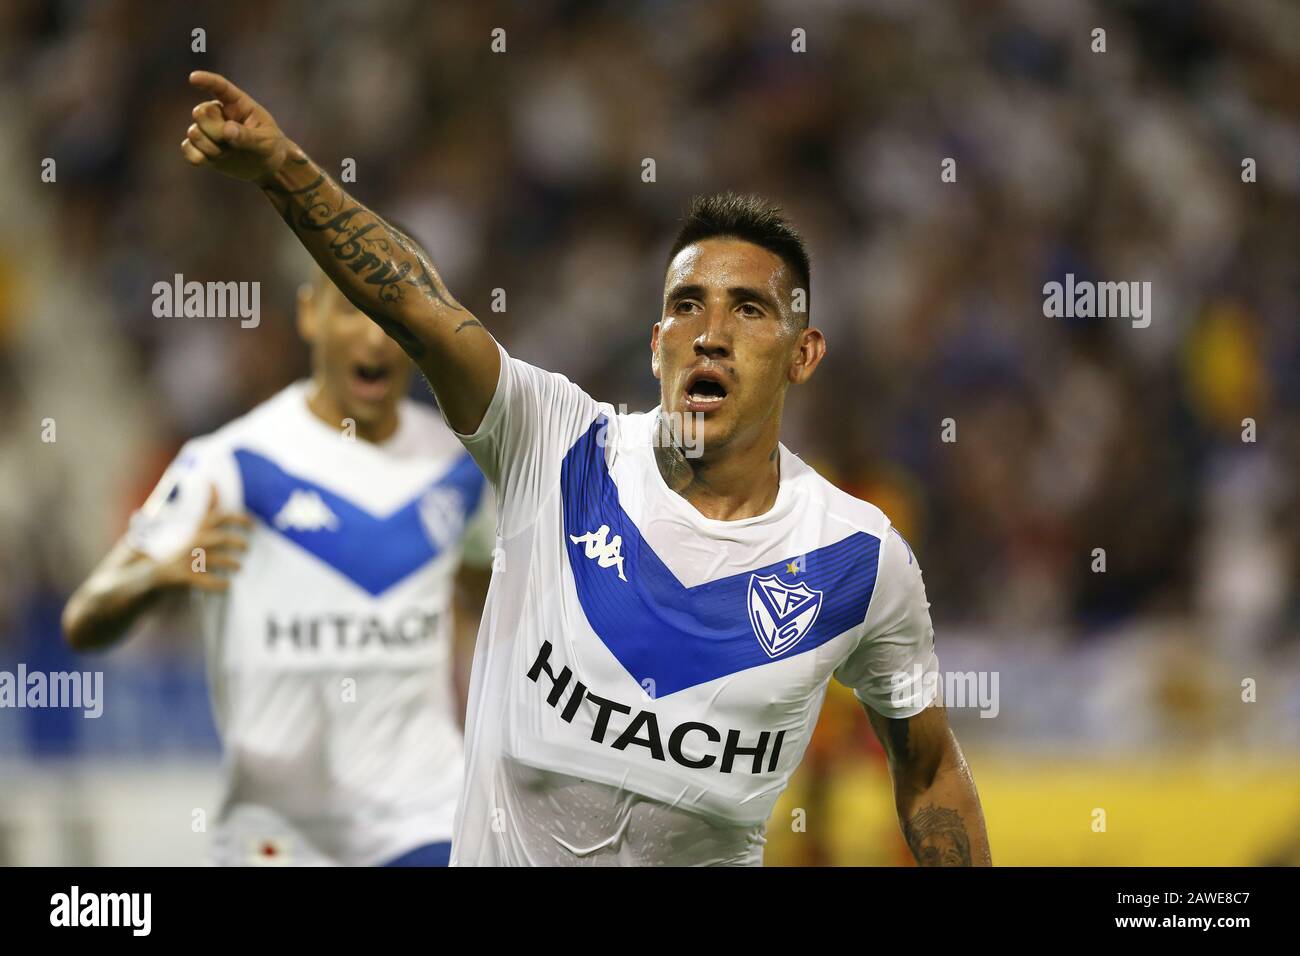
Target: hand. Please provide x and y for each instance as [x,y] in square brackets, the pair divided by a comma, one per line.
[221,537]
[234,134]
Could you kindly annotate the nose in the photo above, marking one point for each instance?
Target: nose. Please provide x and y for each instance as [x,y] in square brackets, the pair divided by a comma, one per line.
[714,339]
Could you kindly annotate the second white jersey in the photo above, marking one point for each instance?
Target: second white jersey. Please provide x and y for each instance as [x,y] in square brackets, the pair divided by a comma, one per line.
[647,679]
[330,658]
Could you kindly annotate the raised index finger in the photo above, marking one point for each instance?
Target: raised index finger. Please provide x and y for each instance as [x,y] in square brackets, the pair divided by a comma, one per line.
[237,105]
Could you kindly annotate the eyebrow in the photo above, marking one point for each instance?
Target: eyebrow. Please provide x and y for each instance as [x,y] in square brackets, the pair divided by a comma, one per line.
[736,292]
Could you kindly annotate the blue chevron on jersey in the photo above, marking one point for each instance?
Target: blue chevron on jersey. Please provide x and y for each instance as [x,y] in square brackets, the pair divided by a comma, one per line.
[678,636]
[373,552]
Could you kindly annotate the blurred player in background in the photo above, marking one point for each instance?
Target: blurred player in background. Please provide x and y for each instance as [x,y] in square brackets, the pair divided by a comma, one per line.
[322,531]
[655,653]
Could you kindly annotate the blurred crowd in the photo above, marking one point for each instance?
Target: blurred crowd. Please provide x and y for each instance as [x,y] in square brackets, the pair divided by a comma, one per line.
[524,171]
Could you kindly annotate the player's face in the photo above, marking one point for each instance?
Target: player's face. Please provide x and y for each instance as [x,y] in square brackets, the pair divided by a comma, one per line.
[728,344]
[362,371]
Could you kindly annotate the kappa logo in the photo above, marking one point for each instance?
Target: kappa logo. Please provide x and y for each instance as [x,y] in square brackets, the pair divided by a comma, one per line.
[305,511]
[608,553]
[781,613]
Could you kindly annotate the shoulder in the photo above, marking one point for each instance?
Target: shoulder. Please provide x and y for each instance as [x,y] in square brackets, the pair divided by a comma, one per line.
[426,430]
[266,420]
[843,514]
[204,463]
[837,505]
[211,458]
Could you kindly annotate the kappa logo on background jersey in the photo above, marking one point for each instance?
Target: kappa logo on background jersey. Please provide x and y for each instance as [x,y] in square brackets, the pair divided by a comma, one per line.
[608,553]
[781,613]
[305,511]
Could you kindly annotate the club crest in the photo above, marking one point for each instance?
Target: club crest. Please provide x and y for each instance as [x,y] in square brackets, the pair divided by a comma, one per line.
[442,512]
[781,613]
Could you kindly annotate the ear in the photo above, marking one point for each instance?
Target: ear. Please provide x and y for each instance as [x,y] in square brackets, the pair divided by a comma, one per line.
[308,319]
[808,355]
[654,350]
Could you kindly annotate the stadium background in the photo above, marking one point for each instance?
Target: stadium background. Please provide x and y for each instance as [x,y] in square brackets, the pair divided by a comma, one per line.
[1119,691]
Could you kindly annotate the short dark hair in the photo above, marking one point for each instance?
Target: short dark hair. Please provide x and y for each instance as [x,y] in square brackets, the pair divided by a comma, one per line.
[751,218]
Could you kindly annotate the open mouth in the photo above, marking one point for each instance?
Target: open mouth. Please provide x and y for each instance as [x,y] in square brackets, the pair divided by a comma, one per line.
[705,390]
[371,381]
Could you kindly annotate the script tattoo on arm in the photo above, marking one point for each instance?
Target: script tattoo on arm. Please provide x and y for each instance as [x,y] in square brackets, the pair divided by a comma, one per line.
[377,267]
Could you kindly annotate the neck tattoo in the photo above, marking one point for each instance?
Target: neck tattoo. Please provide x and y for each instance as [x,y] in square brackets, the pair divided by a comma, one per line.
[674,468]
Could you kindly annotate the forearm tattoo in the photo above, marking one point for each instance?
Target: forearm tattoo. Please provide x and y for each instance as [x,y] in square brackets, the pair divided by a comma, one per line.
[374,264]
[938,837]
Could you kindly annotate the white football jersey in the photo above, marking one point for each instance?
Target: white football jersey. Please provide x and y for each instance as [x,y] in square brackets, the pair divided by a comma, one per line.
[646,678]
[329,659]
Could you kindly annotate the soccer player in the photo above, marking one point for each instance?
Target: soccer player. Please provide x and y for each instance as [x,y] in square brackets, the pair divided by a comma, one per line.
[323,531]
[671,602]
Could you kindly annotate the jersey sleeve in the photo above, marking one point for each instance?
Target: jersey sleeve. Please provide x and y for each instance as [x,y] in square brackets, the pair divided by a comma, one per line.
[534,418]
[171,514]
[894,669]
[481,532]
